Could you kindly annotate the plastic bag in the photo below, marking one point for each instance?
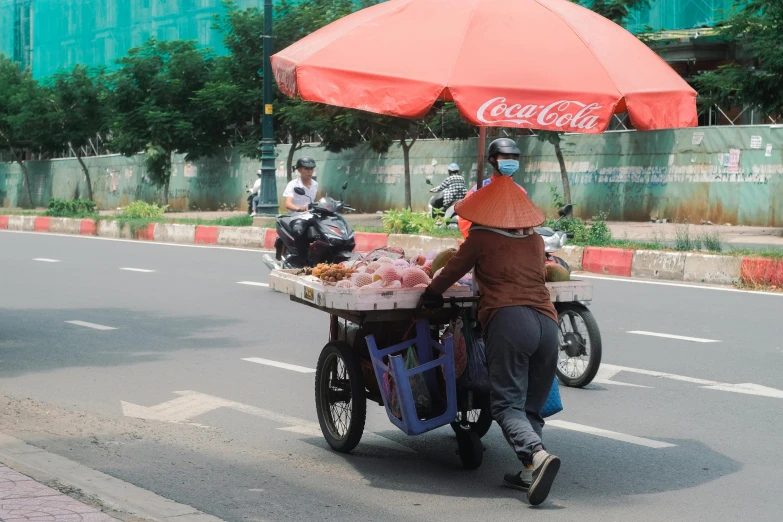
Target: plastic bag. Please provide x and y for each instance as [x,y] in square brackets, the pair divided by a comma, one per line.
[421,394]
[477,373]
[553,403]
[458,343]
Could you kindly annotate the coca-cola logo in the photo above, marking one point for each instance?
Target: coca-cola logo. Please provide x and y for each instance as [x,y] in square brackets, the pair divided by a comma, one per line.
[562,113]
[286,79]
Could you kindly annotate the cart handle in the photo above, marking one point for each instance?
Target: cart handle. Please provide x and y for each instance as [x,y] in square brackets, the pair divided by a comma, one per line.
[452,301]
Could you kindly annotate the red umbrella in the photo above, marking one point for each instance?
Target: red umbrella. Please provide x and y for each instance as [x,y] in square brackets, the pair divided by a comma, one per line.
[539,64]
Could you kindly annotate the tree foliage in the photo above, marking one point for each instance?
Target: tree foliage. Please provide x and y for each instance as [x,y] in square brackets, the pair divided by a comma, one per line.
[79,112]
[154,101]
[22,110]
[756,28]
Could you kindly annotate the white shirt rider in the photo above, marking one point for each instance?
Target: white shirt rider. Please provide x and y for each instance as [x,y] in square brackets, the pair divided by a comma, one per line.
[293,201]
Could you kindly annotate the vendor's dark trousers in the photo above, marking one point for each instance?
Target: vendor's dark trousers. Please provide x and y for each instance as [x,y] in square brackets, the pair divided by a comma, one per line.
[521,349]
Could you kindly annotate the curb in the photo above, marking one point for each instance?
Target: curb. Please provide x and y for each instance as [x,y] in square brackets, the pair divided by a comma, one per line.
[648,264]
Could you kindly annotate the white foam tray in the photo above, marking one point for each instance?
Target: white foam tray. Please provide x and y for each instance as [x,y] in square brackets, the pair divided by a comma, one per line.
[313,290]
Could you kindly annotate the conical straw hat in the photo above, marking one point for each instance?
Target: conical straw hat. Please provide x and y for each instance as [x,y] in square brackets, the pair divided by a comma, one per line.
[501,204]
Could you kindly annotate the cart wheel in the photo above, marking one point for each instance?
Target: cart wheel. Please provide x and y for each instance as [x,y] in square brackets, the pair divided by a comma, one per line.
[479,419]
[340,397]
[470,449]
[580,345]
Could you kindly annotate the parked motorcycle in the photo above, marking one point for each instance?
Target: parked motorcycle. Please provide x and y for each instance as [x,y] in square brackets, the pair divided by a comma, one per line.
[319,235]
[446,215]
[580,340]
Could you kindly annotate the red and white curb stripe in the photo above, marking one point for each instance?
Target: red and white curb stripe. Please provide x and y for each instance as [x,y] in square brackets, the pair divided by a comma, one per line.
[649,264]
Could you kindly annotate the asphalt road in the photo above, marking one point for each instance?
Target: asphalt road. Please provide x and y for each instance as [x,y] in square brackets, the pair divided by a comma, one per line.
[246,448]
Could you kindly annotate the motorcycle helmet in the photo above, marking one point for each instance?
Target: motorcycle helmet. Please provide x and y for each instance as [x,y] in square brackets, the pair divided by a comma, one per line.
[453,168]
[305,162]
[502,146]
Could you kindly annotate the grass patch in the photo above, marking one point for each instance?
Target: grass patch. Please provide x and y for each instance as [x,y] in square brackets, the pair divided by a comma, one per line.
[769,253]
[21,212]
[233,221]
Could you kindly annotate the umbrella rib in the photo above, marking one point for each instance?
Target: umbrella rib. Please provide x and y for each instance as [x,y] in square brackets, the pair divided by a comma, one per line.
[461,44]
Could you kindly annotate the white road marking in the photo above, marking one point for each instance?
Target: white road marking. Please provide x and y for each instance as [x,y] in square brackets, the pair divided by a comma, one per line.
[191,404]
[747,388]
[137,242]
[276,364]
[580,275]
[45,260]
[91,325]
[599,432]
[252,283]
[144,270]
[605,374]
[670,336]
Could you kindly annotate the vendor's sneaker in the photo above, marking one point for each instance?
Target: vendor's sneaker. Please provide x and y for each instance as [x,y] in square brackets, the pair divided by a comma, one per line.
[520,481]
[543,477]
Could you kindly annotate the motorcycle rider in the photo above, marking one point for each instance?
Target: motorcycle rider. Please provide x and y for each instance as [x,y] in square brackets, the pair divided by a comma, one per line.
[294,202]
[453,187]
[255,193]
[504,146]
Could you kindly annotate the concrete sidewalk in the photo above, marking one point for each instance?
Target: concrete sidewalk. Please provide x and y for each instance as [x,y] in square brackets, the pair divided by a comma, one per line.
[22,499]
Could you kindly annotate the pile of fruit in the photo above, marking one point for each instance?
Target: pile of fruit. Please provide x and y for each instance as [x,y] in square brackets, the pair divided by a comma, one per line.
[331,273]
[383,272]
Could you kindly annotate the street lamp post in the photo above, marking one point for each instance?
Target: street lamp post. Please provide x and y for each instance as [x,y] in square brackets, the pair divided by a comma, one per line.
[268,203]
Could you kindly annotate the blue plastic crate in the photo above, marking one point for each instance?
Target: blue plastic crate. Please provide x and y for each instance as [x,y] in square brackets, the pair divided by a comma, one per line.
[410,422]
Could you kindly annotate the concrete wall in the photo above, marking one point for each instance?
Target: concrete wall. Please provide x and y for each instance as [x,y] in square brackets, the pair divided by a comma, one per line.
[681,175]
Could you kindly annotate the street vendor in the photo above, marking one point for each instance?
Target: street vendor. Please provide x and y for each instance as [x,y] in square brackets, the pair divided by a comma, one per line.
[515,311]
[499,146]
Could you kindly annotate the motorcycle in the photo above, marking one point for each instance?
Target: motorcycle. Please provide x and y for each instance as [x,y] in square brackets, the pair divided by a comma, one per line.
[554,240]
[579,356]
[329,238]
[447,216]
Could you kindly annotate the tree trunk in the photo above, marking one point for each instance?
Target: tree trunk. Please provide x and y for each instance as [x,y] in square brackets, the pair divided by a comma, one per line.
[406,148]
[165,196]
[22,164]
[563,174]
[86,175]
[289,162]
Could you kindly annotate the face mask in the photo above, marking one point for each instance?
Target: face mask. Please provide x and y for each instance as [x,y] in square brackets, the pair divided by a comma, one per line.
[508,166]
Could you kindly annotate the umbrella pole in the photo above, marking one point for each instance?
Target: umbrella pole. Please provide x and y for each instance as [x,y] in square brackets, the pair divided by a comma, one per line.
[482,144]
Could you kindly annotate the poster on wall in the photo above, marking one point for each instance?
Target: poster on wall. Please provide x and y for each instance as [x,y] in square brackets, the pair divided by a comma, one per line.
[755,142]
[769,150]
[697,138]
[734,158]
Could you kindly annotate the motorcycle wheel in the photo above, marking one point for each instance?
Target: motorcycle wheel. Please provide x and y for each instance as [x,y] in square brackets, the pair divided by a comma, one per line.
[579,354]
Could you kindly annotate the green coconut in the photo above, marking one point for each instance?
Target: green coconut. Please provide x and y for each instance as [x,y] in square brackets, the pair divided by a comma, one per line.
[442,258]
[556,273]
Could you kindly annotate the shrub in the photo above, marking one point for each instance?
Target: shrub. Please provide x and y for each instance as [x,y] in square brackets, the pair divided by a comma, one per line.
[408,222]
[144,210]
[70,208]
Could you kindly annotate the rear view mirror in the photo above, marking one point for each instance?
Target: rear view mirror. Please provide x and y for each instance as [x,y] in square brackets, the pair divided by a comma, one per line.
[428,181]
[566,211]
[345,185]
[300,191]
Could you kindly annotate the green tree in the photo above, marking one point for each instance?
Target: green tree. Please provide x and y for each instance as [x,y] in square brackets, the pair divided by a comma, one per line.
[156,109]
[79,111]
[21,111]
[756,28]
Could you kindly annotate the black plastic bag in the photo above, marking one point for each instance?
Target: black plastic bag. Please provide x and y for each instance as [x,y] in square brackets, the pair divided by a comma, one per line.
[476,376]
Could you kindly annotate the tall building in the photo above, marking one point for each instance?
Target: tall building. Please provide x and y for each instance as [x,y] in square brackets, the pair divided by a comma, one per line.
[49,35]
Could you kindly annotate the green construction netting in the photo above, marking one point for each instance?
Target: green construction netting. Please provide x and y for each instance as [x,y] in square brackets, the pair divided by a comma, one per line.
[678,14]
[96,32]
[51,34]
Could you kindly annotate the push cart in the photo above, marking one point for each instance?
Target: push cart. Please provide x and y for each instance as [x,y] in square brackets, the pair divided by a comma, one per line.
[367,328]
